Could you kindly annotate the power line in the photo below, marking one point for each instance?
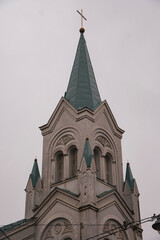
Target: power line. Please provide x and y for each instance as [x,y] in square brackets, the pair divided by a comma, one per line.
[84,224]
[102,233]
[122,228]
[110,232]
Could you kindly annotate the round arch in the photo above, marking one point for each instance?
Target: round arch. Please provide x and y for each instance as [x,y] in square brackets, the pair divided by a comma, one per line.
[59,228]
[114,227]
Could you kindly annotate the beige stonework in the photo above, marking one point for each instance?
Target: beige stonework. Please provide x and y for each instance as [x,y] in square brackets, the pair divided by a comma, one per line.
[81,206]
[77,199]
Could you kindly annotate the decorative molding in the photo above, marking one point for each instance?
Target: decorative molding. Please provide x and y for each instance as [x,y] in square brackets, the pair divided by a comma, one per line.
[49,234]
[65,139]
[58,228]
[103,141]
[111,226]
[67,228]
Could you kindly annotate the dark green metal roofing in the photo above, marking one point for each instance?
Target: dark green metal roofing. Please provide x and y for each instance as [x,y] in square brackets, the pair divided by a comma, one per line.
[129,177]
[35,173]
[82,89]
[67,191]
[87,153]
[105,193]
[13,225]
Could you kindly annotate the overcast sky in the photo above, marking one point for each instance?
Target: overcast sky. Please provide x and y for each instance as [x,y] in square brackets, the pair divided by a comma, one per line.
[38,41]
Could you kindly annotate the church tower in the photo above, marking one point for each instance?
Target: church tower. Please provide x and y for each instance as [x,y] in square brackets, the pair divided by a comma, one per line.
[81,194]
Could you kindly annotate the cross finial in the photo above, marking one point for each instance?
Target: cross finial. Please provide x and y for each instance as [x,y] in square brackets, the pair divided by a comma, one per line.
[82,17]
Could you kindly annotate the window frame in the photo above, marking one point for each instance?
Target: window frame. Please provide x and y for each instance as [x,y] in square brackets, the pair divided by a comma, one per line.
[108,168]
[59,165]
[72,149]
[97,161]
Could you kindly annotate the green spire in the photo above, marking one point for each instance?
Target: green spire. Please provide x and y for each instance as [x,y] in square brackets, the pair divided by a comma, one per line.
[35,173]
[129,177]
[82,89]
[87,153]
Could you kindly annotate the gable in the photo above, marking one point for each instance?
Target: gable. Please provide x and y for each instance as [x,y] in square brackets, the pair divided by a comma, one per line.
[112,198]
[105,118]
[57,196]
[102,115]
[58,209]
[63,109]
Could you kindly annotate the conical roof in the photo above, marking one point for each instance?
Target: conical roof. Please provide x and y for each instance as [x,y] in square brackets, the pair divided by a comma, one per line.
[129,177]
[82,89]
[35,173]
[87,153]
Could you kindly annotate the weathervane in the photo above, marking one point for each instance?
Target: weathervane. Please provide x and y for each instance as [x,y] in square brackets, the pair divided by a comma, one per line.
[82,17]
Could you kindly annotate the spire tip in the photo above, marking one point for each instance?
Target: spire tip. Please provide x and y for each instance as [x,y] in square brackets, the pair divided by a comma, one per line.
[82,30]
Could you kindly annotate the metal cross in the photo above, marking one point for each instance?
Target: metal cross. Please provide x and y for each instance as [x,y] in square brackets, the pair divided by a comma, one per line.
[82,17]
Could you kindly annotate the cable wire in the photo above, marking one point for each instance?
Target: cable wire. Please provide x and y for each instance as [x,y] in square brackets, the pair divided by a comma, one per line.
[128,225]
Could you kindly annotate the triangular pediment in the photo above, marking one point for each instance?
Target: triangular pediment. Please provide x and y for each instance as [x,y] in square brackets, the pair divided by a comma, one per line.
[61,196]
[103,115]
[109,198]
[64,107]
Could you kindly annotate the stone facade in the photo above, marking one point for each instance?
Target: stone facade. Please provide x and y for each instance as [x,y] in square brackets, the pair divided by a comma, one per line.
[82,193]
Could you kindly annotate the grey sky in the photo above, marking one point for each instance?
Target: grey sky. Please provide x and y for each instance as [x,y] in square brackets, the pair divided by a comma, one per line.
[38,41]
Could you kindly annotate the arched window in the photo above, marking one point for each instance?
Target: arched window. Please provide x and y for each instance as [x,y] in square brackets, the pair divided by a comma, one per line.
[72,161]
[59,166]
[108,168]
[97,155]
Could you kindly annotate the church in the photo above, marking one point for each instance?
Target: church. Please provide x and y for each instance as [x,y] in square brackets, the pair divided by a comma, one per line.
[81,193]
